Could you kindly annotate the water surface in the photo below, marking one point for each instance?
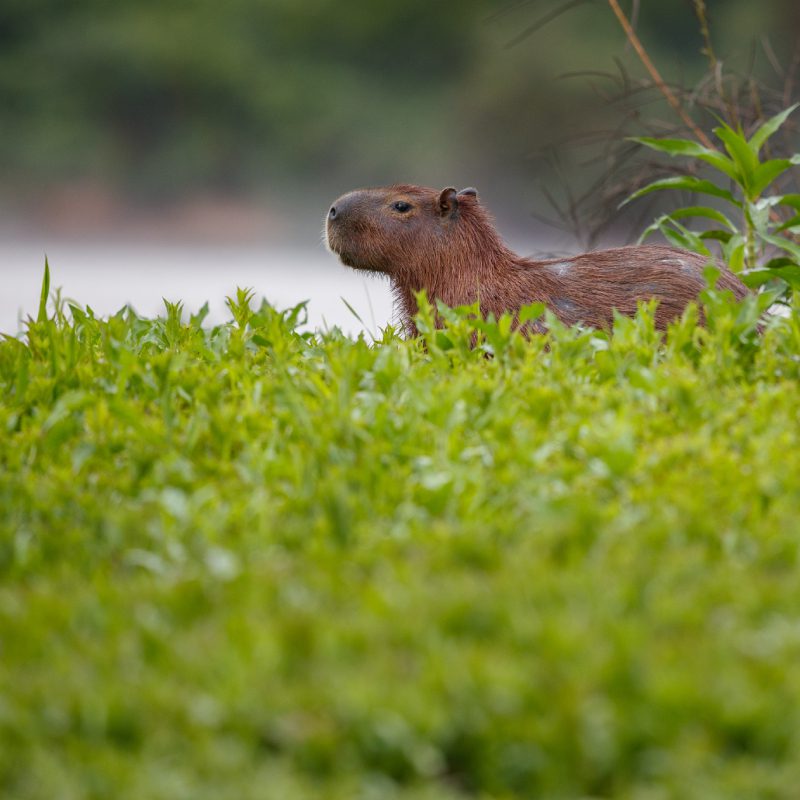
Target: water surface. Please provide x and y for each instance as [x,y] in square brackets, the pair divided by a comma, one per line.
[108,275]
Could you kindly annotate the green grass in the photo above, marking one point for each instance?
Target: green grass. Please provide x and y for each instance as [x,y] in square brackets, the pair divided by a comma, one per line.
[248,562]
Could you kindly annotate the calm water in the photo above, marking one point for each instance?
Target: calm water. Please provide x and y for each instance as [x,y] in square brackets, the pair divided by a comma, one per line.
[109,275]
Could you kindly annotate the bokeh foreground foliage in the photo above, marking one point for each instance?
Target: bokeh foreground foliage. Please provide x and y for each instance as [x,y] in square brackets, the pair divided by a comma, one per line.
[252,562]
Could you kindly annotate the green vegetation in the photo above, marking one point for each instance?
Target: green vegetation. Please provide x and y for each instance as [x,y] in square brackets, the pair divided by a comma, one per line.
[759,230]
[161,97]
[253,562]
[249,561]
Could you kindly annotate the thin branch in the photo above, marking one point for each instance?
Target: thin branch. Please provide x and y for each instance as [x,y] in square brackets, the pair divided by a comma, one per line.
[705,32]
[656,75]
[502,12]
[766,46]
[542,21]
[788,86]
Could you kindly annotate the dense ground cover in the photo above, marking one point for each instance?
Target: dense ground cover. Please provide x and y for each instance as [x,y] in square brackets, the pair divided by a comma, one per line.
[252,562]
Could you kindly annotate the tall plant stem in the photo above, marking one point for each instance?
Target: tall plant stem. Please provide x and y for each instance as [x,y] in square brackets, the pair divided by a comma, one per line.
[656,75]
[750,253]
[714,64]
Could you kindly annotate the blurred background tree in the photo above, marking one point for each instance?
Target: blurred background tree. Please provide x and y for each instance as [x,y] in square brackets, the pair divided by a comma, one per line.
[160,99]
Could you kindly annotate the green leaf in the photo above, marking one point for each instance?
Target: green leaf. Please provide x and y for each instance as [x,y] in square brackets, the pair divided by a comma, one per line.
[45,293]
[686,147]
[531,312]
[668,226]
[782,261]
[744,157]
[703,211]
[688,183]
[734,254]
[682,237]
[717,235]
[790,274]
[767,172]
[766,130]
[352,311]
[783,244]
[675,238]
[757,278]
[654,227]
[673,147]
[791,200]
[443,341]
[790,224]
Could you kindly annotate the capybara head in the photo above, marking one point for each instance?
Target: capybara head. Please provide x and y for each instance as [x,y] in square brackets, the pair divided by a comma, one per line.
[406,231]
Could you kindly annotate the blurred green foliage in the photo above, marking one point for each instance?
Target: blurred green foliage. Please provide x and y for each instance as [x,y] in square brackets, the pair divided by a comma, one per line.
[203,91]
[759,243]
[249,562]
[168,96]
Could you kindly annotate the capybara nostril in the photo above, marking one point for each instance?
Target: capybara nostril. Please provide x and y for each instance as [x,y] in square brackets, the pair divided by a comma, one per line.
[332,213]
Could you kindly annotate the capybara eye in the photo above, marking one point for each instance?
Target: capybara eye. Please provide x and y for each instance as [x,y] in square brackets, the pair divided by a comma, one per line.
[401,206]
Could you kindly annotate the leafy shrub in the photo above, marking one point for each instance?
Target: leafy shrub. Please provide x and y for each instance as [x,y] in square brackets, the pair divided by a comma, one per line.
[247,561]
[757,231]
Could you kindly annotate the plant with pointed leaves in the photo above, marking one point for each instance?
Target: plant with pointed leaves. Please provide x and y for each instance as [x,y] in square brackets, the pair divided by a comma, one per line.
[756,240]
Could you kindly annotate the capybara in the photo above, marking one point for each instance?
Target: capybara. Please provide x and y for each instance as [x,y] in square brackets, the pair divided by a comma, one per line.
[445,242]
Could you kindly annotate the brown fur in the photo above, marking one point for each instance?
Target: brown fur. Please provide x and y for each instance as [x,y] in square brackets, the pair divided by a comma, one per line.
[446,243]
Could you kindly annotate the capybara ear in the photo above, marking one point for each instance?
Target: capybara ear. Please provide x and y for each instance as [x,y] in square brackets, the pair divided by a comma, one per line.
[448,202]
[469,191]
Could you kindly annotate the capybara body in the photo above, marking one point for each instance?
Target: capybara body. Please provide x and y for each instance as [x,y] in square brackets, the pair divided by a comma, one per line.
[445,242]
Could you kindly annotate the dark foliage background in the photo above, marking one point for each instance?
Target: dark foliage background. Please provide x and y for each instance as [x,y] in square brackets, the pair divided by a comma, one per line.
[157,100]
